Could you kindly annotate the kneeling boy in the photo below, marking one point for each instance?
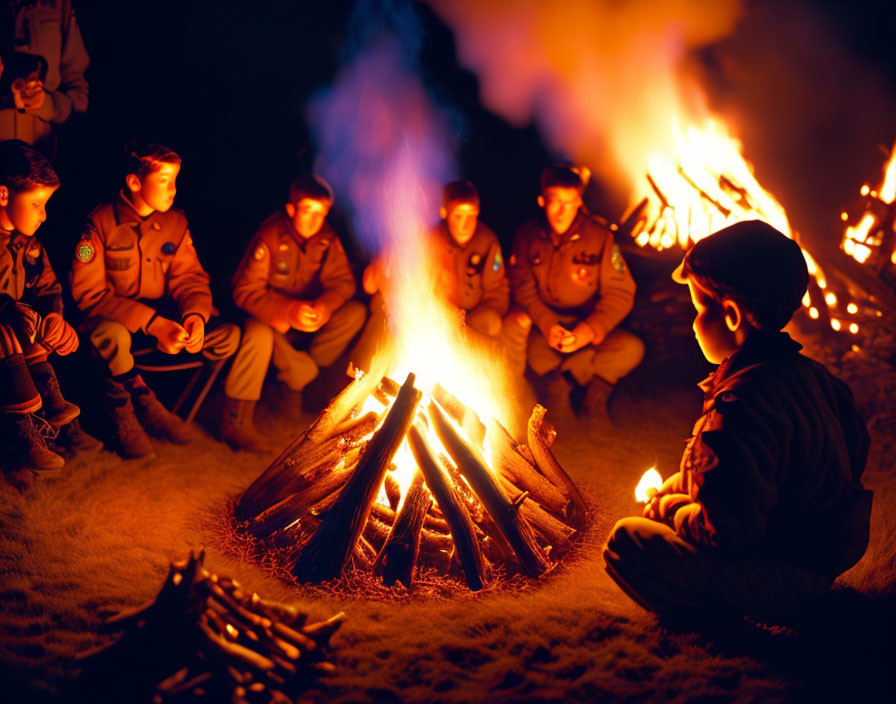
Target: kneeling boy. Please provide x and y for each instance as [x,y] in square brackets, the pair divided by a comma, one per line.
[295,283]
[768,507]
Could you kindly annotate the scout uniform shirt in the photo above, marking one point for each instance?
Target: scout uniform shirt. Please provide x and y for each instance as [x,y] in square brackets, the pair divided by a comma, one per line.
[578,274]
[26,274]
[123,260]
[773,468]
[281,266]
[474,274]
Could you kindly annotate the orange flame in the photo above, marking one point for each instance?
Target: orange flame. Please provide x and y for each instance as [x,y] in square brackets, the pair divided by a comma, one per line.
[650,483]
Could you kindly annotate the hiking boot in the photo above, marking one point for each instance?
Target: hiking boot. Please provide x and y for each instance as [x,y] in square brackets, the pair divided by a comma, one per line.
[24,445]
[595,403]
[55,409]
[73,439]
[553,392]
[154,417]
[236,428]
[129,434]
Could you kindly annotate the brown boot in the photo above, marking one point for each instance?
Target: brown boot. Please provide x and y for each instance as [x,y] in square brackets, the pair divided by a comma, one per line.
[553,391]
[25,447]
[132,439]
[72,438]
[236,427]
[56,409]
[154,417]
[596,402]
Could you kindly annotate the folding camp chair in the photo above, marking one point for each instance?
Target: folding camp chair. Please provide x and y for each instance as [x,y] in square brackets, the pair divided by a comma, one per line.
[145,360]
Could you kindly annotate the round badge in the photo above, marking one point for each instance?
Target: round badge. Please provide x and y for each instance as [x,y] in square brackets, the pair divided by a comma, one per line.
[168,248]
[85,252]
[260,252]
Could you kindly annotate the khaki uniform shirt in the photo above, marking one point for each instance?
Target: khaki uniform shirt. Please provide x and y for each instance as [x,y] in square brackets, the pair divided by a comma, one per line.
[578,274]
[474,273]
[281,266]
[26,274]
[774,465]
[49,28]
[123,262]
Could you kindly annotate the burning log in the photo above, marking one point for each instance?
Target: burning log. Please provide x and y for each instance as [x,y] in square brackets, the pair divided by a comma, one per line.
[505,513]
[541,437]
[464,416]
[554,531]
[278,480]
[399,554]
[456,515]
[325,554]
[202,636]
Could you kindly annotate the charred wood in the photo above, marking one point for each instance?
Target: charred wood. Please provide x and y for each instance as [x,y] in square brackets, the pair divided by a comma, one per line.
[398,557]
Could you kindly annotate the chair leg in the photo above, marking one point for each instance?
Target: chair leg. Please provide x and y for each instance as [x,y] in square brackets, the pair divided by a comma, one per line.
[185,394]
[203,392]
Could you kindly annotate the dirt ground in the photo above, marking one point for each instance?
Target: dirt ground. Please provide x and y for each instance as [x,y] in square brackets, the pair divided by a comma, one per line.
[99,539]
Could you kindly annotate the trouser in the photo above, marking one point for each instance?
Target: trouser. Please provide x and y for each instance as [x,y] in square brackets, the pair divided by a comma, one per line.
[671,576]
[616,355]
[18,394]
[112,342]
[262,345]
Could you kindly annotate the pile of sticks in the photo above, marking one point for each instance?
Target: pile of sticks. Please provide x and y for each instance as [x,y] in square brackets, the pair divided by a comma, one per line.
[204,637]
[317,499]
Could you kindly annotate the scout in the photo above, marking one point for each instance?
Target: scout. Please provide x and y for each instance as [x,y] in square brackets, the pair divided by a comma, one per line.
[31,323]
[295,283]
[768,507]
[136,273]
[568,274]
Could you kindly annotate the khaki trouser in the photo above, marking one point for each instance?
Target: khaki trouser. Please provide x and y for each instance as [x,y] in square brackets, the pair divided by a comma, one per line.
[112,342]
[612,359]
[671,576]
[262,345]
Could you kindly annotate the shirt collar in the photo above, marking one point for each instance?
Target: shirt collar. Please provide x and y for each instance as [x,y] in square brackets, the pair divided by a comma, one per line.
[125,214]
[758,348]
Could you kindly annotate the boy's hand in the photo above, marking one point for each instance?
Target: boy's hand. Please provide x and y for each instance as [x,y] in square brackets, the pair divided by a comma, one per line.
[171,336]
[303,316]
[323,312]
[30,94]
[58,334]
[567,341]
[195,327]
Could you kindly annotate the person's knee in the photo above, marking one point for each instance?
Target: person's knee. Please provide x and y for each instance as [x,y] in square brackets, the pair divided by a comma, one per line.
[110,334]
[622,536]
[222,342]
[351,316]
[257,336]
[485,321]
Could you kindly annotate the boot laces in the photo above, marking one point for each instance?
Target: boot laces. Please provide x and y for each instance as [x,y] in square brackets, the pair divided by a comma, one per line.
[43,428]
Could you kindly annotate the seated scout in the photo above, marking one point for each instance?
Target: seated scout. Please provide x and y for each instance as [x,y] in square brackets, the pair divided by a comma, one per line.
[295,283]
[31,323]
[568,274]
[472,275]
[768,507]
[136,274]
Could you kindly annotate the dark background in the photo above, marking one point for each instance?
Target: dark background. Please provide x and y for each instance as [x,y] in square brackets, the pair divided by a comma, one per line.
[808,86]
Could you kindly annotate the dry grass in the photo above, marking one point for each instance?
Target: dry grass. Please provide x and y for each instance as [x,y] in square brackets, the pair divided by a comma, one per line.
[99,539]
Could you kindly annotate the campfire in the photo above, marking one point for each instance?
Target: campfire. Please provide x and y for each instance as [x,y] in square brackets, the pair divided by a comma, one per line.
[335,499]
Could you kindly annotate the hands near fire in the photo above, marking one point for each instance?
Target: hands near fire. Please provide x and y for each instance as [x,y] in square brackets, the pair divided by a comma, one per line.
[195,327]
[49,330]
[568,341]
[171,337]
[28,94]
[308,316]
[665,501]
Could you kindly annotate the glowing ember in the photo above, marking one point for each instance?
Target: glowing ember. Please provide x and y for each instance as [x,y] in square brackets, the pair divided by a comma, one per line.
[870,240]
[648,486]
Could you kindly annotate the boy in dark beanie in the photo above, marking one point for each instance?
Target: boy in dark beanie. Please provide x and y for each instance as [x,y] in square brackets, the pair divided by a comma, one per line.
[768,507]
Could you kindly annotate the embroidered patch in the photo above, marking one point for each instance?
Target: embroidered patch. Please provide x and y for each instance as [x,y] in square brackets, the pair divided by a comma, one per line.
[85,252]
[616,260]
[168,248]
[260,252]
[496,265]
[282,267]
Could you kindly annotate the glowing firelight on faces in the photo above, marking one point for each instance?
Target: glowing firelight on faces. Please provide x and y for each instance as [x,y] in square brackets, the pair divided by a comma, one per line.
[650,483]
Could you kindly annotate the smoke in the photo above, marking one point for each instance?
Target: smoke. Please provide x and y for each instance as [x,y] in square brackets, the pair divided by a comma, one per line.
[381,144]
[602,79]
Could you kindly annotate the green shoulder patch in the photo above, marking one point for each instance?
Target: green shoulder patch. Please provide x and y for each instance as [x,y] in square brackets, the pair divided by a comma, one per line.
[85,252]
[616,259]
[498,263]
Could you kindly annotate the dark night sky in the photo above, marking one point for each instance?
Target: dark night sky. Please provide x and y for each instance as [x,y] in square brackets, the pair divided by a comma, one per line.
[225,84]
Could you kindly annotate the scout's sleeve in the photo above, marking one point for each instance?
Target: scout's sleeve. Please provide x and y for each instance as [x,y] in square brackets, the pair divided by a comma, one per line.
[617,291]
[336,277]
[93,292]
[251,291]
[188,281]
[731,480]
[46,291]
[525,287]
[495,287]
[71,94]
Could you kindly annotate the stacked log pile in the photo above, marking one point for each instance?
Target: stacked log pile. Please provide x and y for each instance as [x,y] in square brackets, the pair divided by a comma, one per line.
[204,638]
[461,513]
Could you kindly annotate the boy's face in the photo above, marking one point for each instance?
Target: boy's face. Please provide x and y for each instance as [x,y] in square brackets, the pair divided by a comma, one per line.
[561,205]
[717,341]
[157,189]
[461,219]
[308,215]
[26,210]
